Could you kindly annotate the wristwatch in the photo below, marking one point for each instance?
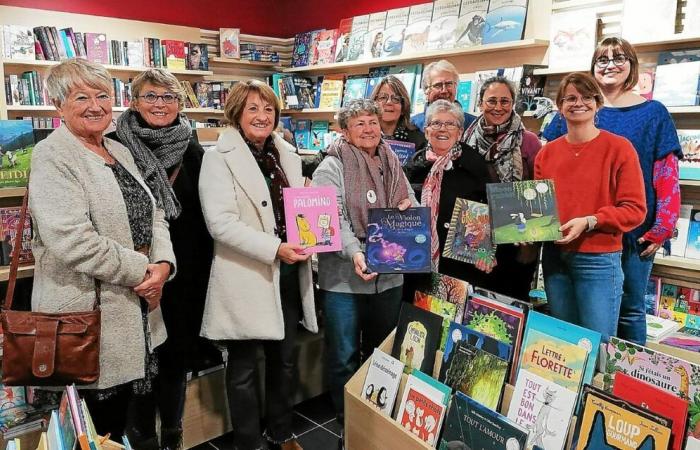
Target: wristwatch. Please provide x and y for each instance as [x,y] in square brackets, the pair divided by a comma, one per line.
[592,222]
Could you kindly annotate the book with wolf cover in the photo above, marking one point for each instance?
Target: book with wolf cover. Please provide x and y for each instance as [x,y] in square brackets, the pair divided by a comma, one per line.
[417,338]
[523,211]
[469,237]
[398,241]
[311,215]
[610,423]
[382,381]
[471,425]
[547,387]
[229,40]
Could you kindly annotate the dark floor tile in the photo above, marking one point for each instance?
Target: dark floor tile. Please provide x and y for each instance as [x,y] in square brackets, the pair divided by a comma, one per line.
[333,426]
[319,439]
[223,442]
[318,409]
[301,425]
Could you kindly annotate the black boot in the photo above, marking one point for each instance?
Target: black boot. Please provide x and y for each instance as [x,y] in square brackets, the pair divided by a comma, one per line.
[171,438]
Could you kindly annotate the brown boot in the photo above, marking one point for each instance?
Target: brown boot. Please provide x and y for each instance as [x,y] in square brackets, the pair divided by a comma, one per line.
[291,445]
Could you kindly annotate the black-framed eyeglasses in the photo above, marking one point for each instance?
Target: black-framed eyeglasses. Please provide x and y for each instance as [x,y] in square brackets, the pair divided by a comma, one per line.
[619,61]
[383,98]
[443,85]
[449,126]
[152,98]
[493,102]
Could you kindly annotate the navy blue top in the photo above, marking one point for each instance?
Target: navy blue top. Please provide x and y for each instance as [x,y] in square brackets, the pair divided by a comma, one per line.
[650,129]
[419,120]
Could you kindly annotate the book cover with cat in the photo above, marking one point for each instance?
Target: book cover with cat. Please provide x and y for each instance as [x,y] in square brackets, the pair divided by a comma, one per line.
[311,215]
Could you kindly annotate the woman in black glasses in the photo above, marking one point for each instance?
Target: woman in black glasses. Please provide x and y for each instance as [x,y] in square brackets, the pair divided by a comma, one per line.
[649,127]
[166,152]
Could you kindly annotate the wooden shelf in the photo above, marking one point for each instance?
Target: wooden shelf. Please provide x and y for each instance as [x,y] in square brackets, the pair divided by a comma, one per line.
[559,71]
[12,192]
[310,111]
[35,108]
[246,64]
[678,262]
[25,271]
[210,111]
[689,182]
[112,68]
[428,55]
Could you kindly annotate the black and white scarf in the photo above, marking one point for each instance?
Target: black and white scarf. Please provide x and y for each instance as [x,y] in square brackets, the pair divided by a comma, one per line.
[155,150]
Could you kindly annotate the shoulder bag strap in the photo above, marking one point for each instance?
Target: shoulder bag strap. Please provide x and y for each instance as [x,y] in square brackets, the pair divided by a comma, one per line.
[16,248]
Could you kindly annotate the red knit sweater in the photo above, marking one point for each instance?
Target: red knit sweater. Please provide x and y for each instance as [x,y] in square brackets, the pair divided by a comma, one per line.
[604,180]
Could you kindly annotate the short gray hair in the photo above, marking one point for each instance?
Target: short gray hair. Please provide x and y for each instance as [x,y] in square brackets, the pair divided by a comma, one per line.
[355,108]
[439,106]
[64,77]
[442,65]
[160,78]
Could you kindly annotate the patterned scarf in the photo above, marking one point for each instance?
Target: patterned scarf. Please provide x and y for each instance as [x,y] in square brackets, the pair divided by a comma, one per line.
[430,196]
[400,134]
[268,162]
[360,175]
[499,145]
[155,150]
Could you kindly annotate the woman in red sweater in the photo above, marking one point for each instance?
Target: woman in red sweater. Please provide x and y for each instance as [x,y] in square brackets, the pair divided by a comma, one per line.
[600,195]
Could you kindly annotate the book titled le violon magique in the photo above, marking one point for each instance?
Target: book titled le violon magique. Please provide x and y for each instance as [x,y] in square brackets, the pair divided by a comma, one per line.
[398,241]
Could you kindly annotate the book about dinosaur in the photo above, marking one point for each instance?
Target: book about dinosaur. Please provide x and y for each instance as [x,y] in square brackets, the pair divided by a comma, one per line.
[547,387]
[398,241]
[610,423]
[441,35]
[382,381]
[471,425]
[16,145]
[523,211]
[672,374]
[311,216]
[417,338]
[395,31]
[469,236]
[505,21]
[416,34]
[657,401]
[471,23]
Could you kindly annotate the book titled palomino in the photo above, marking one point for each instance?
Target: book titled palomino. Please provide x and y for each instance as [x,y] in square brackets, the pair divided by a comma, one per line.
[311,215]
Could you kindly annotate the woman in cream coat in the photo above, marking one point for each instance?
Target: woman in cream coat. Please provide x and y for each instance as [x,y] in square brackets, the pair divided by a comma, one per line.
[260,286]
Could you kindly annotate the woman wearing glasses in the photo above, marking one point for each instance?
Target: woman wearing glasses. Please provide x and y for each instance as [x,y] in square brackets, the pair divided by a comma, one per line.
[161,142]
[600,196]
[649,127]
[395,118]
[509,150]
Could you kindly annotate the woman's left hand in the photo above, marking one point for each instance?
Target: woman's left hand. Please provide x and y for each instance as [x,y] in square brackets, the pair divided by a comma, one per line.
[404,204]
[652,247]
[572,229]
[151,288]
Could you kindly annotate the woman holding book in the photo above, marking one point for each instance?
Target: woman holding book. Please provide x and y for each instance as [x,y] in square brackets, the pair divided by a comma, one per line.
[395,118]
[260,286]
[97,225]
[600,196]
[359,306]
[649,127]
[169,159]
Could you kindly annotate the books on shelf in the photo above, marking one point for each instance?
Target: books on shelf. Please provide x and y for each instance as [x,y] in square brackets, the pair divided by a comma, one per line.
[416,34]
[505,21]
[471,23]
[394,31]
[358,34]
[417,338]
[16,145]
[572,37]
[229,43]
[197,56]
[9,218]
[442,26]
[96,48]
[658,327]
[689,166]
[331,92]
[355,88]
[175,55]
[423,406]
[469,236]
[18,42]
[677,84]
[374,39]
[342,45]
[398,241]
[638,25]
[382,381]
[324,50]
[311,215]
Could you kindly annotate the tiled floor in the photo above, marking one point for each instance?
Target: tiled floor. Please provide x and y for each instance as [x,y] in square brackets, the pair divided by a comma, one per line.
[314,424]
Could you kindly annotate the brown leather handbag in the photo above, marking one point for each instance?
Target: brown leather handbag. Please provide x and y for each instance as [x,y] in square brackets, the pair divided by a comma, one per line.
[48,349]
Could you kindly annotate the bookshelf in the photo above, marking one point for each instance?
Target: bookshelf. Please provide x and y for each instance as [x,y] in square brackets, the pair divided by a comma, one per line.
[26,271]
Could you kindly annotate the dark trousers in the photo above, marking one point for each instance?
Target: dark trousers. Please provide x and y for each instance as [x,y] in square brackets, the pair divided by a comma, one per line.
[280,377]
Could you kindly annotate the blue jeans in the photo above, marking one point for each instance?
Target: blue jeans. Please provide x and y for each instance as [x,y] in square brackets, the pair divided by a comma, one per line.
[354,325]
[584,288]
[633,322]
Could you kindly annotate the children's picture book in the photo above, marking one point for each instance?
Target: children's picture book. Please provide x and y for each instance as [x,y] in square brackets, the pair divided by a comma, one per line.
[398,241]
[442,27]
[471,23]
[469,236]
[657,401]
[13,405]
[638,25]
[471,425]
[311,215]
[686,338]
[302,133]
[382,381]
[355,88]
[464,94]
[645,84]
[459,335]
[230,44]
[404,150]
[689,166]
[9,218]
[523,211]
[677,84]
[444,309]
[331,91]
[417,338]
[342,45]
[300,53]
[658,328]
[65,424]
[610,423]
[531,87]
[447,288]
[96,48]
[16,145]
[667,372]
[422,408]
[572,37]
[505,21]
[374,39]
[679,239]
[360,27]
[549,379]
[313,45]
[416,34]
[325,48]
[319,128]
[394,31]
[477,373]
[692,247]
[19,42]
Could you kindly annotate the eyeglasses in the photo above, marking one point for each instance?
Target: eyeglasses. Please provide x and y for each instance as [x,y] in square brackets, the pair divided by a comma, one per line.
[493,102]
[619,61]
[443,85]
[449,126]
[152,98]
[585,99]
[383,98]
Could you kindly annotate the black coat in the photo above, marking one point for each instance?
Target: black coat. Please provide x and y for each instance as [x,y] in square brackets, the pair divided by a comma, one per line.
[467,179]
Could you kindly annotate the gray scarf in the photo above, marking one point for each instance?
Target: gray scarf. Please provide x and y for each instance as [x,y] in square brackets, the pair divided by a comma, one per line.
[155,150]
[499,145]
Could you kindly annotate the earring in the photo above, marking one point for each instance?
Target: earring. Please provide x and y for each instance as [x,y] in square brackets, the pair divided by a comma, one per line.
[595,119]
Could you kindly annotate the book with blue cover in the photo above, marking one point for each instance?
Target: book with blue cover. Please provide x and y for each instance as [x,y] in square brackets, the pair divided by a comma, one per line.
[300,54]
[302,133]
[692,248]
[355,87]
[318,129]
[16,146]
[398,241]
[505,21]
[471,425]
[459,334]
[404,150]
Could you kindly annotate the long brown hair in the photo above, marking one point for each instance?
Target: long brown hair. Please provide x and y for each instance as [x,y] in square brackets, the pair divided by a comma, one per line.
[619,46]
[399,89]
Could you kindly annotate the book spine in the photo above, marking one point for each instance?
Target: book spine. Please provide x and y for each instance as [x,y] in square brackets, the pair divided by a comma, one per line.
[40,35]
[56,43]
